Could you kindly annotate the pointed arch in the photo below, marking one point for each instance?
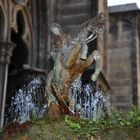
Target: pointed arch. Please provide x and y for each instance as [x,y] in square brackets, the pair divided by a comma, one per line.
[2,22]
[21,36]
[24,12]
[22,18]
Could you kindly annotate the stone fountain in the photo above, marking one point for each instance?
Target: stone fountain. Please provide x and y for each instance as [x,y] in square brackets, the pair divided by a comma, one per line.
[67,93]
[64,92]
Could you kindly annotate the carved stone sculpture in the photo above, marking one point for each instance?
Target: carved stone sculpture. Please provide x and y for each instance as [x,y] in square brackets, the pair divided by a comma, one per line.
[71,60]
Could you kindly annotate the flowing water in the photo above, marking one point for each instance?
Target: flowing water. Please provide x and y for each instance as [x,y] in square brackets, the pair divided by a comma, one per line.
[88,102]
[28,101]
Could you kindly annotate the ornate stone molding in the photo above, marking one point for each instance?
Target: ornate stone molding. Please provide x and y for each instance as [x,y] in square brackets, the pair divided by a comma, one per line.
[6,51]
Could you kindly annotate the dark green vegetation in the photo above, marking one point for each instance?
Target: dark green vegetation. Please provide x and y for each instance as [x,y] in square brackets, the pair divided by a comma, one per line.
[87,128]
[119,126]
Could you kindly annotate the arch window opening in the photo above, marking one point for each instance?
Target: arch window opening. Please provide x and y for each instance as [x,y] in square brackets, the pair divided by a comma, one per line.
[20,53]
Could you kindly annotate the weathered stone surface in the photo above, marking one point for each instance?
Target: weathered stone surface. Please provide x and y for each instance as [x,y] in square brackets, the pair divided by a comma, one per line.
[121,134]
[54,110]
[56,129]
[69,63]
[123,63]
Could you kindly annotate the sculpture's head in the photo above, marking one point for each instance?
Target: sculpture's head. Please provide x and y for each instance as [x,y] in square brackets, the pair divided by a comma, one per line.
[61,39]
[56,29]
[94,27]
[96,23]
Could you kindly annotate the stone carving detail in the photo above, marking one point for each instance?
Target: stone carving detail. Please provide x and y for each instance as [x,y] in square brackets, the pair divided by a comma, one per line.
[71,60]
[6,51]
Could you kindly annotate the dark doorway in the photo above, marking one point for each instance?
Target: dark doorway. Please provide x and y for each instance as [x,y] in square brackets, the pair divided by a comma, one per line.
[20,53]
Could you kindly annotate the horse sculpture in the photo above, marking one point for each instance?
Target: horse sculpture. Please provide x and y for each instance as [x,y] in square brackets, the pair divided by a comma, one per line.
[70,61]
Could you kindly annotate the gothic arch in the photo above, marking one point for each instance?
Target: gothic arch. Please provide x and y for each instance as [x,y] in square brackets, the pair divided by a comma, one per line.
[19,36]
[2,22]
[22,10]
[21,27]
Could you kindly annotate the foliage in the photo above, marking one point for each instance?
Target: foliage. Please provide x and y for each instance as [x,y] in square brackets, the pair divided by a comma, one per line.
[87,128]
[76,127]
[81,127]
[129,119]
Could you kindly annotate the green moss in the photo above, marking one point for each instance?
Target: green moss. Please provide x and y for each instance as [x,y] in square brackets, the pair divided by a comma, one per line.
[120,134]
[87,128]
[118,126]
[50,129]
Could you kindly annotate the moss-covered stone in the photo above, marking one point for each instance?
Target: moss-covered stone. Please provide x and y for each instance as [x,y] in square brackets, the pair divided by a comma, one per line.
[121,134]
[57,129]
[50,129]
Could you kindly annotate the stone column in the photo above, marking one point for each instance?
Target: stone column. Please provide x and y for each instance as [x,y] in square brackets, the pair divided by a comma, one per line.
[5,54]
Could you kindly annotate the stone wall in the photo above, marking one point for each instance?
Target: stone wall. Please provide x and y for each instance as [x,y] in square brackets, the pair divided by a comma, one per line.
[122,64]
[72,13]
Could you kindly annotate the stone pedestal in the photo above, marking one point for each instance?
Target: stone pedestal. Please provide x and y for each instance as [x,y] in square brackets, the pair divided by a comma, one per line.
[5,53]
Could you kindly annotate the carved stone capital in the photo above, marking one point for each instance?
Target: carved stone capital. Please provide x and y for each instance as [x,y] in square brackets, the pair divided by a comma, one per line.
[6,51]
